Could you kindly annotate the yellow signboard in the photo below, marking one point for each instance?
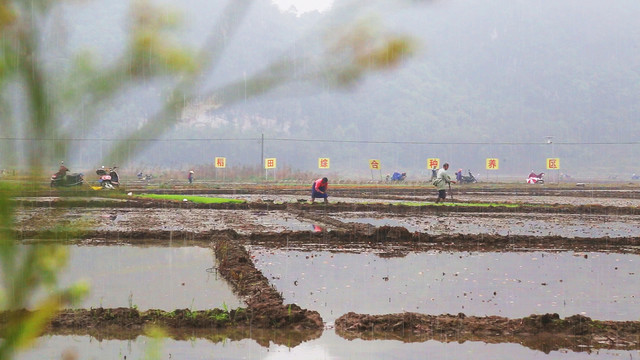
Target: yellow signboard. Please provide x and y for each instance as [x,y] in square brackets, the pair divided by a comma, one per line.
[433,163]
[493,164]
[270,163]
[374,164]
[323,163]
[553,163]
[221,162]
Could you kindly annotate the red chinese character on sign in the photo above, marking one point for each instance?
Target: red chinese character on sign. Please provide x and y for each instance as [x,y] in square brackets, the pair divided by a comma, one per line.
[324,163]
[220,162]
[374,164]
[492,164]
[270,163]
[433,163]
[553,164]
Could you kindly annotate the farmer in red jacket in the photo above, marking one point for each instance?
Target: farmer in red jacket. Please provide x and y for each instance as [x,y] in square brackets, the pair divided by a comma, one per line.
[319,190]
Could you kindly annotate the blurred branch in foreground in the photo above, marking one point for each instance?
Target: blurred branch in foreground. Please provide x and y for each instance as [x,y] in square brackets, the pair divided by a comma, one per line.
[48,95]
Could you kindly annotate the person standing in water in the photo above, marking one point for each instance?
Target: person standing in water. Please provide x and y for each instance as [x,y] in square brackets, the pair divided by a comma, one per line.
[442,180]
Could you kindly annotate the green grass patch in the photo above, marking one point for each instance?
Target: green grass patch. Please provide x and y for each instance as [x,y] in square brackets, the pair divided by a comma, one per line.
[192,198]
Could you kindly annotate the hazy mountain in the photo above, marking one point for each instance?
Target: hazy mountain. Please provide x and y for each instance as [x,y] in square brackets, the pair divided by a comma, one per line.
[489,79]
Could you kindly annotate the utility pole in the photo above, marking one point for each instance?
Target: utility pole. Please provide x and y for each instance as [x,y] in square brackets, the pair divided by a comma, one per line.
[550,141]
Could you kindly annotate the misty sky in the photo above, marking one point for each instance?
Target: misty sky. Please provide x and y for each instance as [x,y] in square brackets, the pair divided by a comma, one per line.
[304,5]
[487,79]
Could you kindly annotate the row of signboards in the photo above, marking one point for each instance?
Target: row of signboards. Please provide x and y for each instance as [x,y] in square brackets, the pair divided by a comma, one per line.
[374,164]
[490,163]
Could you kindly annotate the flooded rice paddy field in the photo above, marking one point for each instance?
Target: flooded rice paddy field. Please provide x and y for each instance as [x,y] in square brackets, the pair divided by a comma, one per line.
[122,219]
[309,268]
[566,225]
[567,200]
[598,285]
[150,277]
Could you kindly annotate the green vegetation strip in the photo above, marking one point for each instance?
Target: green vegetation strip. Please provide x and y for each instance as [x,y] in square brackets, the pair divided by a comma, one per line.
[192,198]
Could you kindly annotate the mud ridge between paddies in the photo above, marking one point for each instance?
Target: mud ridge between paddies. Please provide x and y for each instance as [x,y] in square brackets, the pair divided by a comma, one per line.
[545,332]
[361,234]
[302,205]
[354,189]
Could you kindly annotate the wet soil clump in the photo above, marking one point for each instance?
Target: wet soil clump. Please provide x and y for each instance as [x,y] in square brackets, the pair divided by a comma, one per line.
[545,332]
[372,237]
[216,325]
[386,235]
[369,237]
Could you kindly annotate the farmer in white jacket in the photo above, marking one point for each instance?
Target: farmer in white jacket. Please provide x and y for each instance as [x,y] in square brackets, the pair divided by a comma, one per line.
[442,180]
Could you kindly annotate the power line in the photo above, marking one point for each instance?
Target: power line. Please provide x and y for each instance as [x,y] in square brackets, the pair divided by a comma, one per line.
[258,139]
[118,139]
[456,142]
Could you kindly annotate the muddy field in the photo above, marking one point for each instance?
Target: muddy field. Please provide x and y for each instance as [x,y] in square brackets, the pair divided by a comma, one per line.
[307,269]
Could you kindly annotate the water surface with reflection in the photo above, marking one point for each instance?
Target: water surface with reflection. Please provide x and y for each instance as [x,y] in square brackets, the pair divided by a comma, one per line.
[165,278]
[515,284]
[328,347]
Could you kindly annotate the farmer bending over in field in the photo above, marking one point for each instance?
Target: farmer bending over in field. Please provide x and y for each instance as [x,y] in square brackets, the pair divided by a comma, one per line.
[441,182]
[319,190]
